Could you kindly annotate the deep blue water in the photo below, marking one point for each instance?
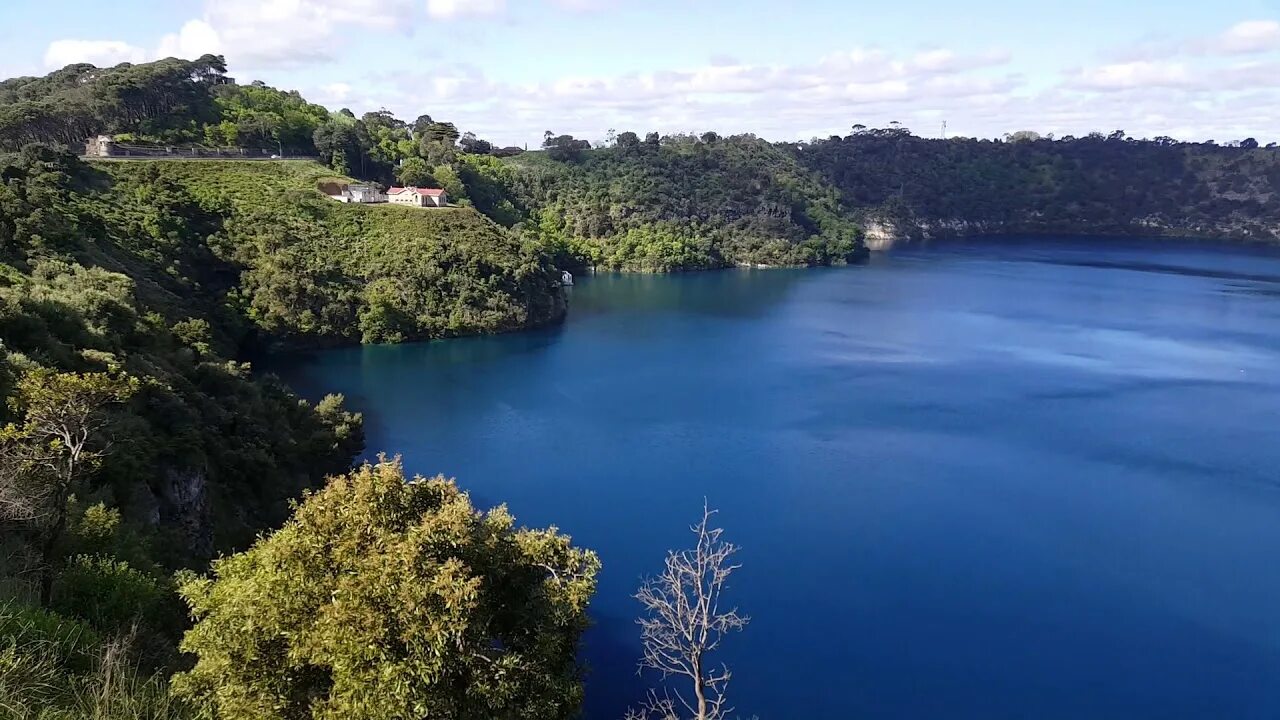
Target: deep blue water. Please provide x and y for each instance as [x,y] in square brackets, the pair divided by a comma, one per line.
[990,479]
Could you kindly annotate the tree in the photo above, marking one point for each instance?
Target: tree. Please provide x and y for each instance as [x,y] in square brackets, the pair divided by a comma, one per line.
[565,148]
[57,445]
[387,598]
[382,119]
[471,144]
[415,172]
[421,124]
[683,625]
[1022,136]
[438,153]
[337,143]
[445,132]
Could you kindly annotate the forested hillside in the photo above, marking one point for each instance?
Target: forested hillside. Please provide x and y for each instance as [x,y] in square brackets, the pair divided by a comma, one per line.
[1094,184]
[132,442]
[681,203]
[302,269]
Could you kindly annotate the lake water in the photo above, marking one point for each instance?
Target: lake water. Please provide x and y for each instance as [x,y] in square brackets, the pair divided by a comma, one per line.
[1029,478]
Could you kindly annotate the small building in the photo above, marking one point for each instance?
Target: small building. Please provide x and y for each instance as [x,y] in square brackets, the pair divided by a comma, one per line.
[418,197]
[100,146]
[356,194]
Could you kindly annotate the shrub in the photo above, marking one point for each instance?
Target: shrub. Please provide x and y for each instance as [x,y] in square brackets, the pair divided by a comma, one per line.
[383,598]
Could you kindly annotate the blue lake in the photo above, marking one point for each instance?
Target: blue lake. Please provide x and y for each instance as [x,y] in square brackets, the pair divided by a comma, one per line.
[1024,478]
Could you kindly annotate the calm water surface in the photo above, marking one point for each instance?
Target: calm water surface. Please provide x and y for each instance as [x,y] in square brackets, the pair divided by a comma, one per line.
[1028,479]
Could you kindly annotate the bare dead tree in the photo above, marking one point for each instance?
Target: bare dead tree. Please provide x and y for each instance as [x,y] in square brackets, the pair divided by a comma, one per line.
[684,624]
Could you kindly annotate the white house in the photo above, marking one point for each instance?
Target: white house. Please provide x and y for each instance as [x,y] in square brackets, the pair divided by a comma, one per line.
[417,197]
[359,194]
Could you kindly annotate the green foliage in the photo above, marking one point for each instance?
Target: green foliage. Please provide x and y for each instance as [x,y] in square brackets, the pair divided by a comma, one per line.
[383,598]
[37,682]
[168,99]
[137,291]
[1093,184]
[681,204]
[258,116]
[564,148]
[313,271]
[108,594]
[486,181]
[69,644]
[414,172]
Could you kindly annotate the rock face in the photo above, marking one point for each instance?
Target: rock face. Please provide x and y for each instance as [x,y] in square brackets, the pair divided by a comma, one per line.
[183,504]
[879,235]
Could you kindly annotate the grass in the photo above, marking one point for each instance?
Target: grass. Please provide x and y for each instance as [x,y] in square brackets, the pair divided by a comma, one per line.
[54,668]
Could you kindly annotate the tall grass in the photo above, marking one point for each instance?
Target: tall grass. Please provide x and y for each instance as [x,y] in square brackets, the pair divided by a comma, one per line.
[51,669]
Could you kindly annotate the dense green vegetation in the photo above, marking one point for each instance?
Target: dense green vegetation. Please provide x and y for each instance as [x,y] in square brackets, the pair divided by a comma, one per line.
[168,100]
[680,203]
[1093,184]
[383,598]
[133,444]
[307,270]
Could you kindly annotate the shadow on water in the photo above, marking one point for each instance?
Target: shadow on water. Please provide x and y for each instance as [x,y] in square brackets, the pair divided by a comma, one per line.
[1168,269]
[722,293]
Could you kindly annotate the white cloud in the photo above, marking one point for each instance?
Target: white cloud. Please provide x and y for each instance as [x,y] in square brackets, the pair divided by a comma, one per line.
[195,38]
[1250,36]
[777,101]
[103,53]
[337,92]
[261,33]
[1135,74]
[253,33]
[449,9]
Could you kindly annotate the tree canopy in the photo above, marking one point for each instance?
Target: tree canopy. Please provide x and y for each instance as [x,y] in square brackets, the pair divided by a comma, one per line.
[387,598]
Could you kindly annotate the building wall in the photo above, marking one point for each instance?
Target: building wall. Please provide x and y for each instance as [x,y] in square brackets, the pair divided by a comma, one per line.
[406,198]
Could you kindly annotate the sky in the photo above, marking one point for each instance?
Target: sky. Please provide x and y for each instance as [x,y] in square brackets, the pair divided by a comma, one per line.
[509,70]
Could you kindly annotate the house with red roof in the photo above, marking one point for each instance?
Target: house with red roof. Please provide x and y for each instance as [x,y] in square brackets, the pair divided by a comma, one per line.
[417,197]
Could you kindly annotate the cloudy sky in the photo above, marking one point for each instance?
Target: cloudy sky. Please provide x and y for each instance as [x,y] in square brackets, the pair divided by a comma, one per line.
[786,70]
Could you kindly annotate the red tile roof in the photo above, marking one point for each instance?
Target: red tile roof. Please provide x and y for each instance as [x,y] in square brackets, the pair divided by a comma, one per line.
[428,192]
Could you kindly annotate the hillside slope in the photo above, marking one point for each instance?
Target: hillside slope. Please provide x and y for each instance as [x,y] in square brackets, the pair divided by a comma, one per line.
[103,277]
[683,203]
[901,184]
[304,269]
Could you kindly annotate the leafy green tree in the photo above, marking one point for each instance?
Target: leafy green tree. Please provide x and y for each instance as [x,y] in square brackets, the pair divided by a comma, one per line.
[383,598]
[415,172]
[338,145]
[421,124]
[451,181]
[445,132]
[438,152]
